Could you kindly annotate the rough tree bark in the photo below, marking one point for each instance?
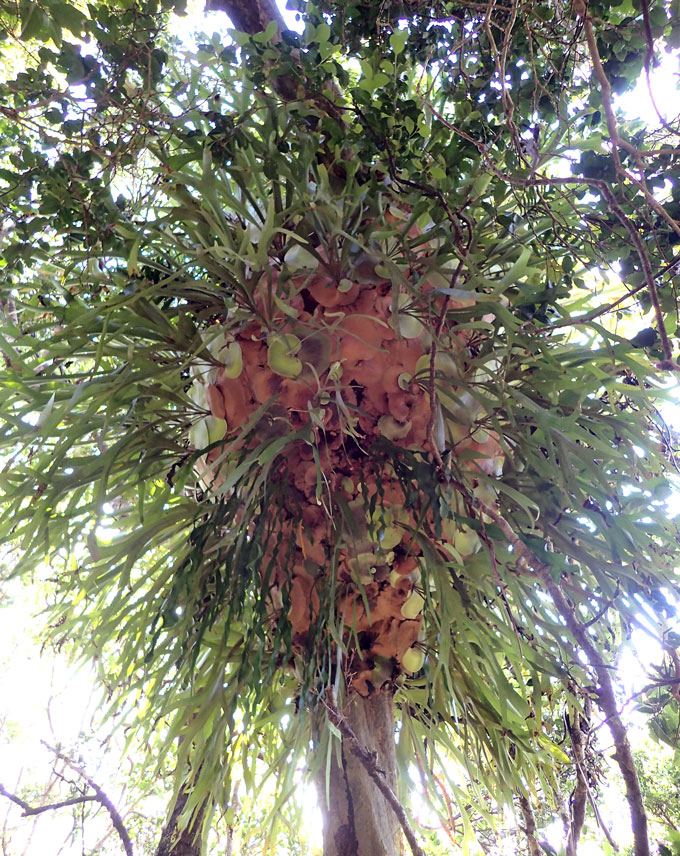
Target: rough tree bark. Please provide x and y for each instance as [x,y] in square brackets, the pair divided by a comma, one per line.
[186,842]
[358,821]
[248,16]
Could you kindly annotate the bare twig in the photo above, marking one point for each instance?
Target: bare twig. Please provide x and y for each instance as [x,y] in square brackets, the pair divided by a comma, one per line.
[100,797]
[29,810]
[606,606]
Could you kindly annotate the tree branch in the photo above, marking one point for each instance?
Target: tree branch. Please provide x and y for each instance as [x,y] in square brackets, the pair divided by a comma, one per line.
[527,561]
[579,795]
[29,810]
[533,847]
[617,141]
[100,797]
[253,16]
[667,364]
[249,16]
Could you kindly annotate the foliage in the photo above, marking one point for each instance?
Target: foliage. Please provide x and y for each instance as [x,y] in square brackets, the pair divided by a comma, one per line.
[659,781]
[154,192]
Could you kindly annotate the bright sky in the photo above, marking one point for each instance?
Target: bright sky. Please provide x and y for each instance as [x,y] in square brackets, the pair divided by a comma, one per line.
[42,699]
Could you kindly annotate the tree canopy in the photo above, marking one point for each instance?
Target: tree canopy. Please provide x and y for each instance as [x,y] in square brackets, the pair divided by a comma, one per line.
[333,367]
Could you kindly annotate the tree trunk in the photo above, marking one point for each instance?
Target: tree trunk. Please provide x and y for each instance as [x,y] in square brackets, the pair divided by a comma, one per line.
[185,842]
[358,821]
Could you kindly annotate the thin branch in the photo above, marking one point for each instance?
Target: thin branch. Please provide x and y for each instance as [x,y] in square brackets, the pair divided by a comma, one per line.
[649,37]
[604,609]
[664,814]
[603,80]
[29,810]
[530,830]
[600,822]
[649,58]
[617,141]
[100,797]
[667,364]
[368,762]
[591,316]
[449,828]
[529,562]
[579,795]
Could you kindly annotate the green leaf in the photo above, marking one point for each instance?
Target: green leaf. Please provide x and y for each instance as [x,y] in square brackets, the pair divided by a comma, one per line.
[322,33]
[267,34]
[132,266]
[70,17]
[34,21]
[398,40]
